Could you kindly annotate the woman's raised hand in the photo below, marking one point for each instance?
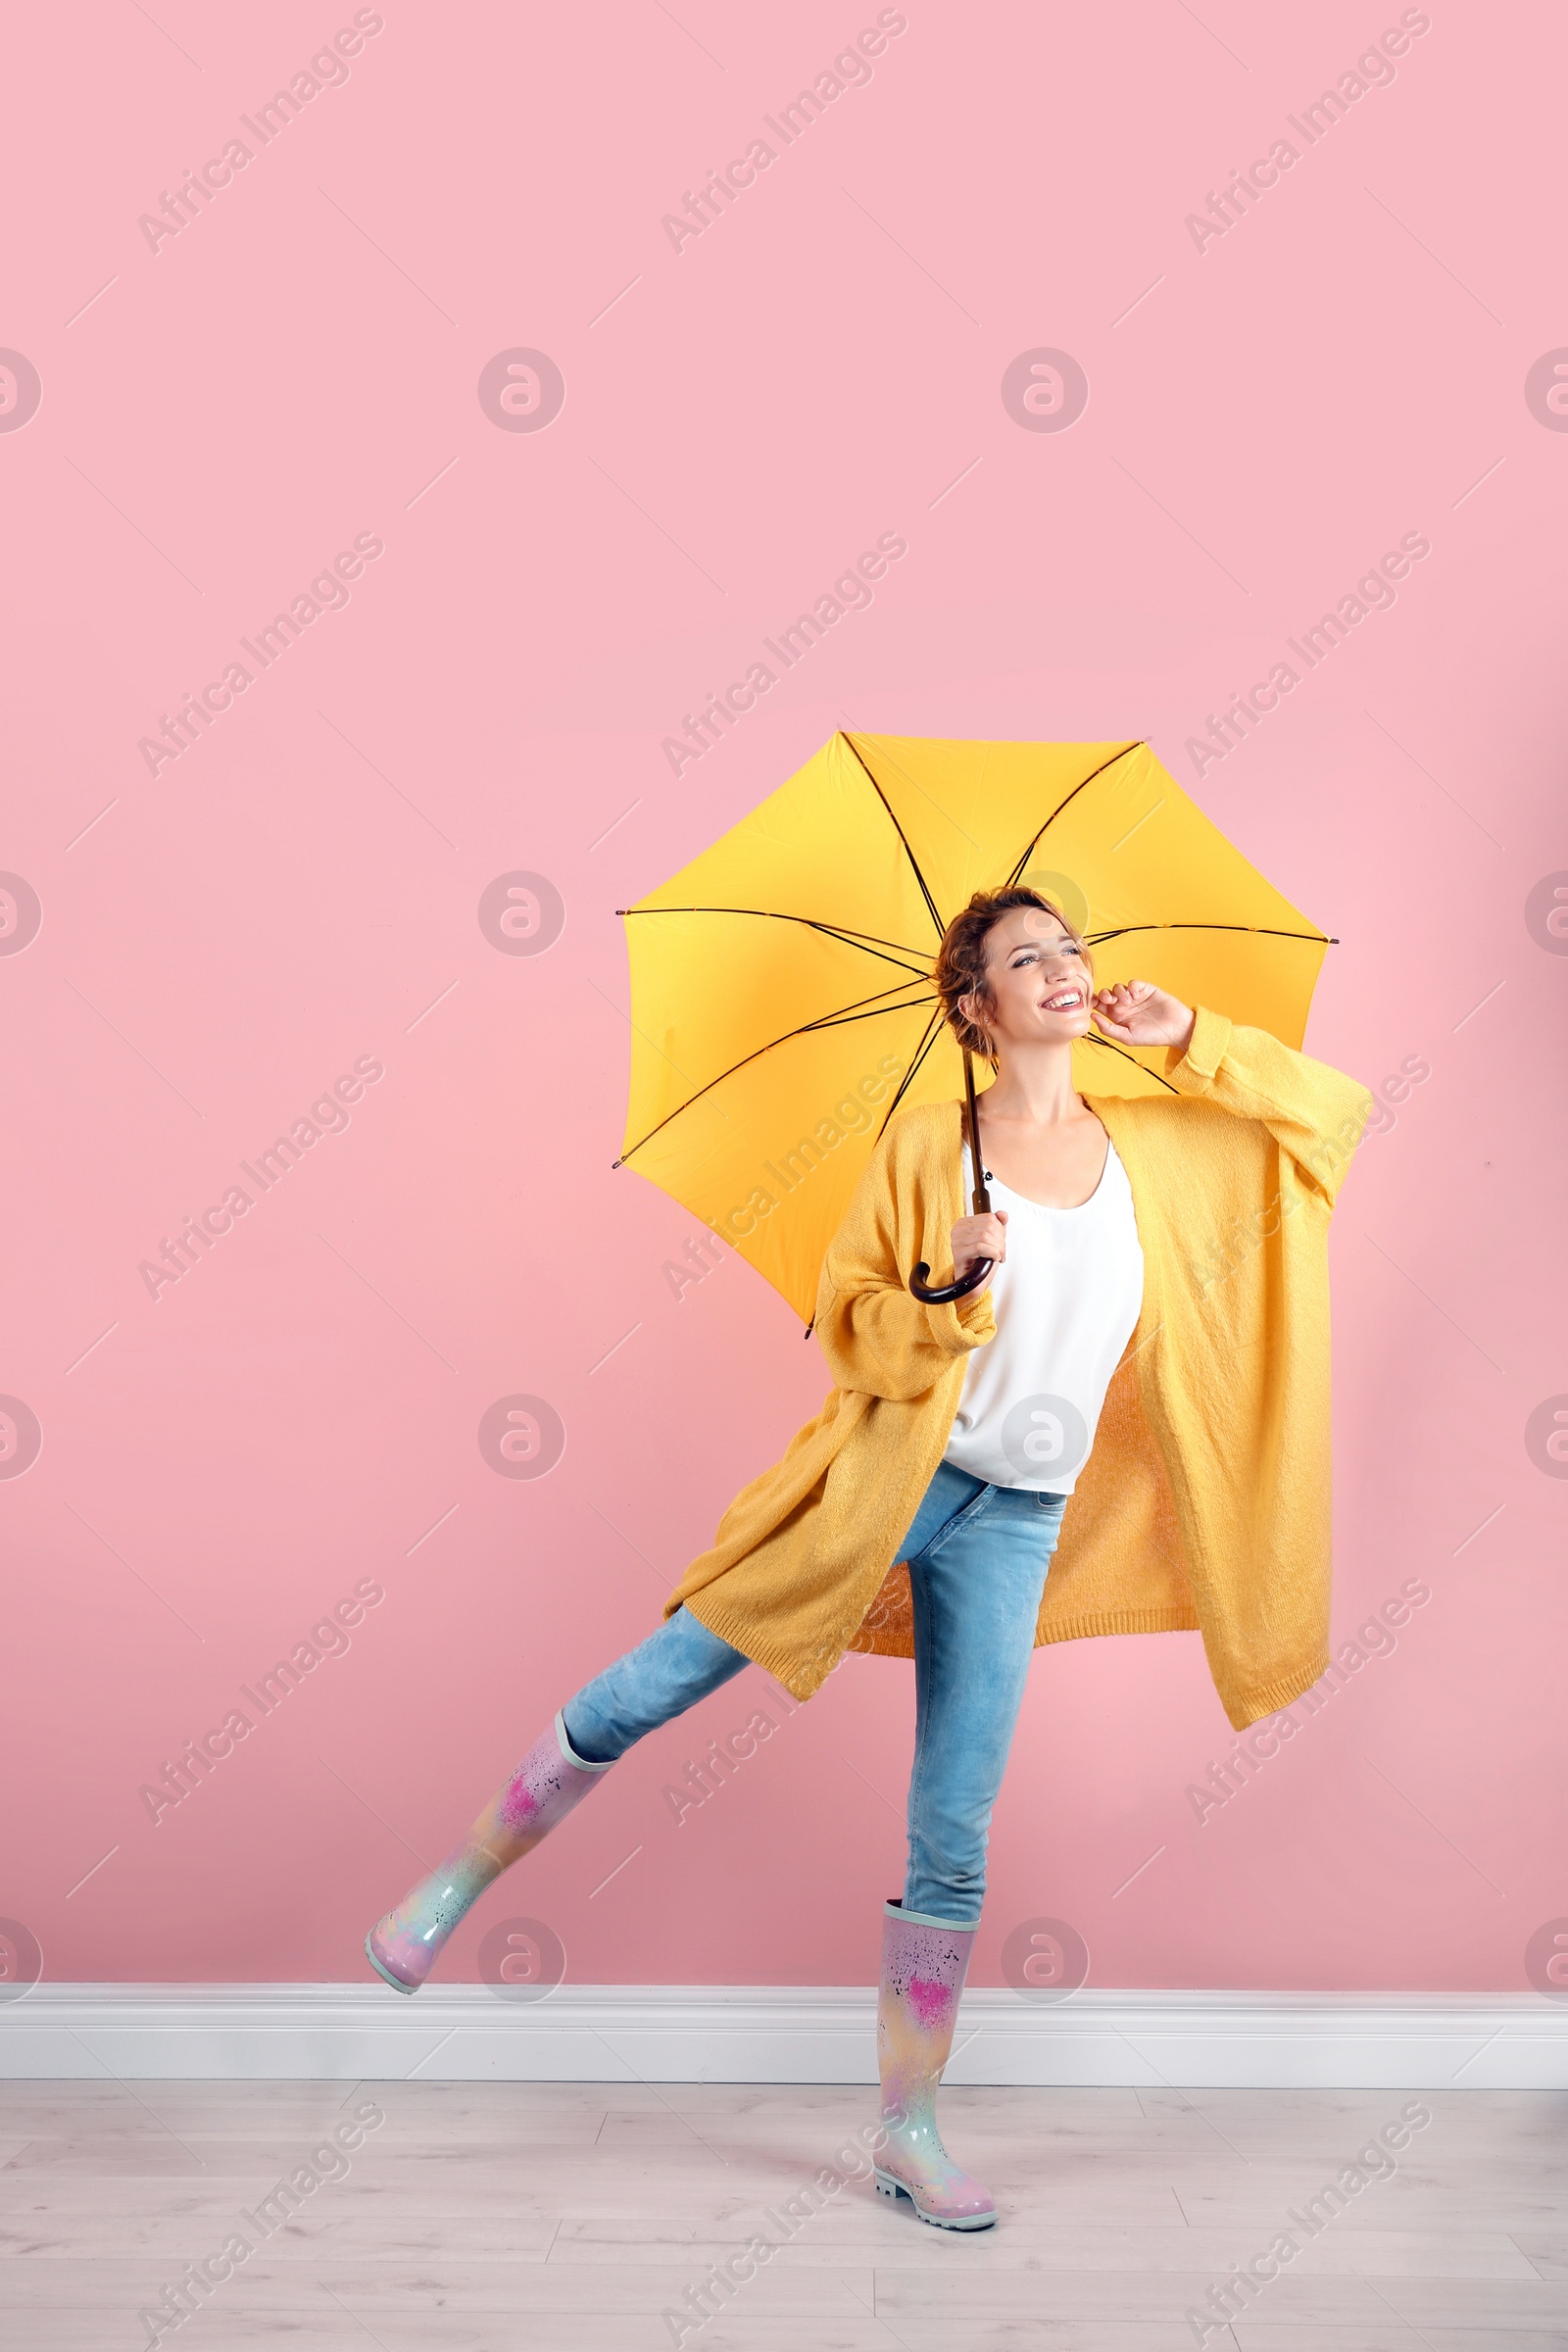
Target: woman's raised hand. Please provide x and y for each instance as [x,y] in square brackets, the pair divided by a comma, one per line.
[1142,1015]
[976,1238]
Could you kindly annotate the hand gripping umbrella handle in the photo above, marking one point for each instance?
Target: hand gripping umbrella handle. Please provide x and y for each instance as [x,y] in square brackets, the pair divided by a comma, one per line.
[943,1293]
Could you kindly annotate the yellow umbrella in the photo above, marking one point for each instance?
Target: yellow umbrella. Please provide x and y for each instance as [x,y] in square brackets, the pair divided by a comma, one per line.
[782,1001]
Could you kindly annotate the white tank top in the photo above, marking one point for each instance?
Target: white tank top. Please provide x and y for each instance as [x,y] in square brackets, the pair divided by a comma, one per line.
[1066,1298]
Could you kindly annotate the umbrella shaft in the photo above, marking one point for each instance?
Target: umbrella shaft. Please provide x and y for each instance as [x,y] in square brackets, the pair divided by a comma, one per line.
[982,1199]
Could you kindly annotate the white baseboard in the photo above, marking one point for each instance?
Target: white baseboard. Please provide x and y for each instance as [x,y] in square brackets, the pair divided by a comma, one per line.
[780,2033]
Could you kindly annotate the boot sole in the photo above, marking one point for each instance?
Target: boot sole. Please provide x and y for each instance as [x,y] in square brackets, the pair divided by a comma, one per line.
[888,2186]
[382,1969]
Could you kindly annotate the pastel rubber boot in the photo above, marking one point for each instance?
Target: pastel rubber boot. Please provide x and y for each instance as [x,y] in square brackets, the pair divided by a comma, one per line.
[547,1785]
[924,1962]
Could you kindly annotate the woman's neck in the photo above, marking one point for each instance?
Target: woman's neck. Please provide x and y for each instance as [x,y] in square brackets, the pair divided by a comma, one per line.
[1033,1087]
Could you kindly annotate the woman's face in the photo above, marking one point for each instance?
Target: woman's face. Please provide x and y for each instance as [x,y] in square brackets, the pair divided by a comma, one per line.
[1040,982]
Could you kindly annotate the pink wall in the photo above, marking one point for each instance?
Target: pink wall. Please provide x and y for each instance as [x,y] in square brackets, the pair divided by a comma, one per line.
[220,940]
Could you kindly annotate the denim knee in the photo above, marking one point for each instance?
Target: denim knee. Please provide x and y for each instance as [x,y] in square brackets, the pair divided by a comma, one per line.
[679,1664]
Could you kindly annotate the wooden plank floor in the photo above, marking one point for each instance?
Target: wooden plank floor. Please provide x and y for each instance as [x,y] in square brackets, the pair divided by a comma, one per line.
[566,2217]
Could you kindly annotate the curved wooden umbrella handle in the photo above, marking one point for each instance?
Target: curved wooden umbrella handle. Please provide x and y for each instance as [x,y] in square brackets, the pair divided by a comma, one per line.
[945,1294]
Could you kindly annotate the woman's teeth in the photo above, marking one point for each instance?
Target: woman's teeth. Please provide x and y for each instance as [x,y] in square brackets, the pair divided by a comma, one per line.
[1065,1002]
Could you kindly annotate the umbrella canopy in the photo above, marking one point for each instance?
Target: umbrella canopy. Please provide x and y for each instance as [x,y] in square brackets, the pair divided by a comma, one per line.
[782,1001]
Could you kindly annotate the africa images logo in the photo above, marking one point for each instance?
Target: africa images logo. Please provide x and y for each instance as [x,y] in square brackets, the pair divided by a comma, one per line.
[21,914]
[21,1437]
[521,1437]
[1045,1438]
[20,391]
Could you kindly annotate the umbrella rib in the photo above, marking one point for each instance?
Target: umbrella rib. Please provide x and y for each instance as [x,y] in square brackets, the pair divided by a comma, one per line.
[1092,1037]
[914,863]
[921,1051]
[932,1031]
[1072,795]
[1098,939]
[874,1005]
[854,939]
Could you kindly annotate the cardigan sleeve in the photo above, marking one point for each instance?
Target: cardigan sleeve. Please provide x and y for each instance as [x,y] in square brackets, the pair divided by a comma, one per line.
[1316,1114]
[877,1336]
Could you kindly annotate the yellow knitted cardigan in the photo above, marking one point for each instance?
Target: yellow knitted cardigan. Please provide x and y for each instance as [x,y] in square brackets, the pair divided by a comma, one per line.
[1205,1503]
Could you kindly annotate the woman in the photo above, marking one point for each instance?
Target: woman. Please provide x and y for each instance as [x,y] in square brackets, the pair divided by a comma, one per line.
[1158,1277]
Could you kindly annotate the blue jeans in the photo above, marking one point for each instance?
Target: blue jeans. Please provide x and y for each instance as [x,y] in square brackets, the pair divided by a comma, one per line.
[978,1556]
